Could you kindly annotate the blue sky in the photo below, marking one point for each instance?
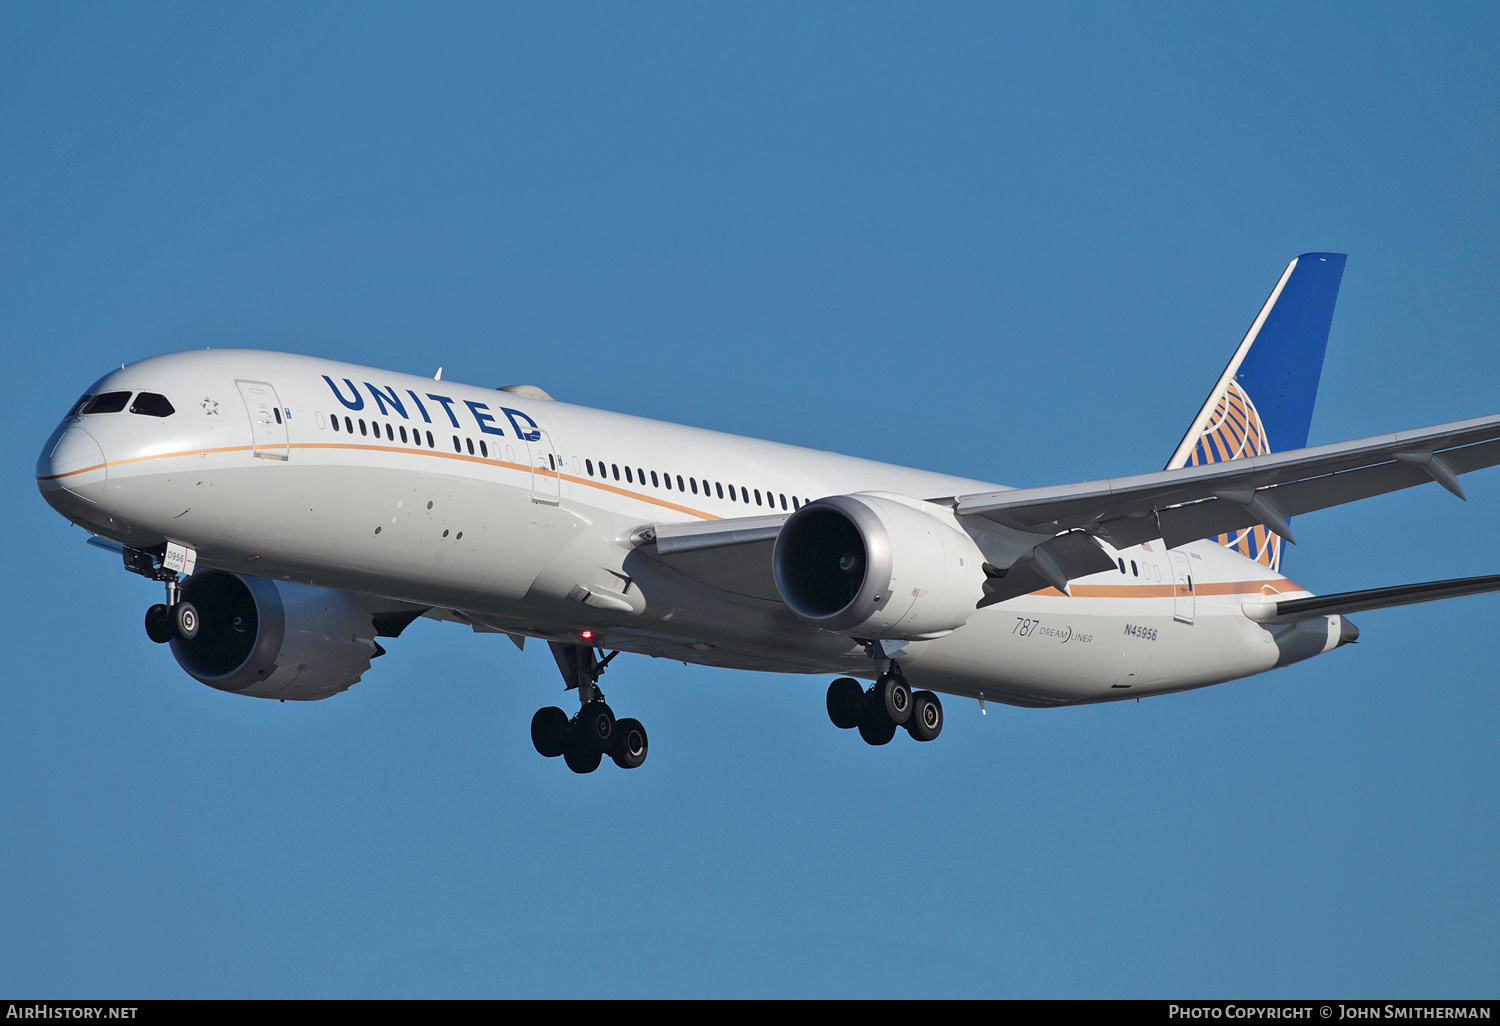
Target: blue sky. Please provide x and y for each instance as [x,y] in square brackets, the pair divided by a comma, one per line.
[1006,241]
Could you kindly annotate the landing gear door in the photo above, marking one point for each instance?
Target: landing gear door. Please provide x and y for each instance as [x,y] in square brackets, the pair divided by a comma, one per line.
[546,469]
[268,436]
[1182,587]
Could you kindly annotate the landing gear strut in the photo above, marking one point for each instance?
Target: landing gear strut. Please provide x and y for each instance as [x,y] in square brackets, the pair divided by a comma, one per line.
[890,703]
[585,739]
[173,618]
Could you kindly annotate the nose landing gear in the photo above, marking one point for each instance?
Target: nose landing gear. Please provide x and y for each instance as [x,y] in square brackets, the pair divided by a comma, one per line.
[593,733]
[173,618]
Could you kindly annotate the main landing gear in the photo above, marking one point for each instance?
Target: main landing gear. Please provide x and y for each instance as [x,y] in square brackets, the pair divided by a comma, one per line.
[888,704]
[588,737]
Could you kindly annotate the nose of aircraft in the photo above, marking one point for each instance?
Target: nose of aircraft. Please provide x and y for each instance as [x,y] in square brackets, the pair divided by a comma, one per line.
[73,464]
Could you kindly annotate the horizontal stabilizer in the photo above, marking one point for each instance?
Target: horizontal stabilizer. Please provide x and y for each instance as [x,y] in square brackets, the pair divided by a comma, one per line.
[1375,598]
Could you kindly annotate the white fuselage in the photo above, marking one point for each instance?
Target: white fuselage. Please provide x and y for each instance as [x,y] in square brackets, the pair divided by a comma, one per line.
[515,513]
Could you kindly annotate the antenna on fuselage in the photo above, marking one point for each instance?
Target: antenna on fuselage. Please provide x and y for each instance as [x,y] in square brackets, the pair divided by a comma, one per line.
[439,375]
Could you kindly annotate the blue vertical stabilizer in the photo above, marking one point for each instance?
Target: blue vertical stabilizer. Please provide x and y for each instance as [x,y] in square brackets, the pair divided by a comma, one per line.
[1263,402]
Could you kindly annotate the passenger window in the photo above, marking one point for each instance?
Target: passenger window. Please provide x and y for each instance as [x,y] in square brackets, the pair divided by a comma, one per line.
[628,479]
[794,503]
[1133,571]
[653,480]
[458,446]
[616,468]
[107,402]
[430,443]
[551,462]
[694,482]
[745,493]
[276,410]
[679,483]
[757,496]
[403,434]
[783,502]
[733,496]
[362,430]
[152,405]
[720,489]
[335,422]
[1122,564]
[390,435]
[470,443]
[589,466]
[484,450]
[640,475]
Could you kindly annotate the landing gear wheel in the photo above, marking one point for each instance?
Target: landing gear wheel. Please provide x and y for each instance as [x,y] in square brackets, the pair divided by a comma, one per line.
[630,746]
[926,720]
[549,731]
[595,726]
[581,756]
[874,725]
[894,696]
[185,621]
[159,624]
[845,699]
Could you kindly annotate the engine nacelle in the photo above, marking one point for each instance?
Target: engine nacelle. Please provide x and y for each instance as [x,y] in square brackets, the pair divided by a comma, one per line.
[273,639]
[875,565]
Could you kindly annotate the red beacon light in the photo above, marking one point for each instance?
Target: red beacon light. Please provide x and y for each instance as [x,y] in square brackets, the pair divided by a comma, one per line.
[586,635]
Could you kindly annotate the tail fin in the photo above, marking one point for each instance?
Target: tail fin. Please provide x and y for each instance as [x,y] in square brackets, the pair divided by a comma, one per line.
[1263,402]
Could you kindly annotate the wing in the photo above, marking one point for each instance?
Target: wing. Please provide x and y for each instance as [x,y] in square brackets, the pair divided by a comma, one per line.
[733,555]
[1195,502]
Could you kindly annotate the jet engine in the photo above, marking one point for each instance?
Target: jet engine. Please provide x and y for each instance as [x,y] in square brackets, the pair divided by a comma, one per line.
[273,639]
[875,565]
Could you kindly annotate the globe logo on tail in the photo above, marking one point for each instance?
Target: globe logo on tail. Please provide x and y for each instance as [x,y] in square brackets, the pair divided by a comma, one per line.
[1235,431]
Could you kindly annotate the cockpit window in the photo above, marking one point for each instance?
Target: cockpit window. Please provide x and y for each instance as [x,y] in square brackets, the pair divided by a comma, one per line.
[79,405]
[152,405]
[106,402]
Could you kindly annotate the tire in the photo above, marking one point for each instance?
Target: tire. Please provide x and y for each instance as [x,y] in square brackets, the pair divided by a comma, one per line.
[894,695]
[580,756]
[845,699]
[595,725]
[185,621]
[926,721]
[875,726]
[549,731]
[631,745]
[159,624]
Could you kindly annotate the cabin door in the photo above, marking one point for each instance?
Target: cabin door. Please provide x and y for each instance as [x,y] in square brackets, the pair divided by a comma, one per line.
[1182,587]
[268,437]
[546,469]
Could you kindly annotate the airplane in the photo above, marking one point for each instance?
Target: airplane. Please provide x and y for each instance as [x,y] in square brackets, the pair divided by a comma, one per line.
[300,510]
